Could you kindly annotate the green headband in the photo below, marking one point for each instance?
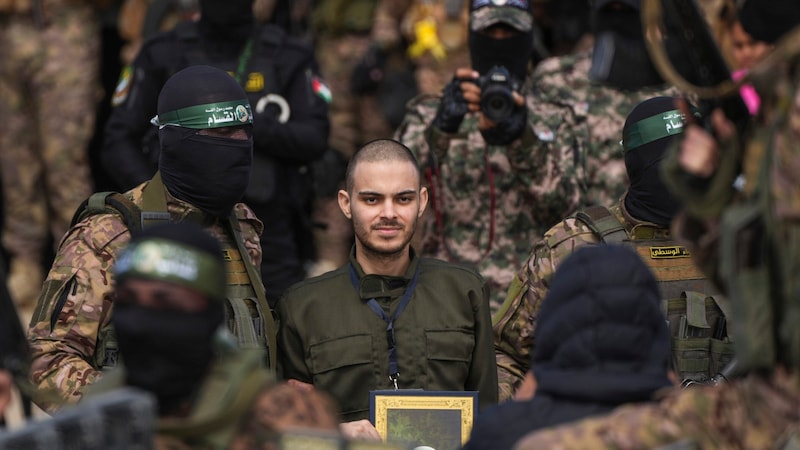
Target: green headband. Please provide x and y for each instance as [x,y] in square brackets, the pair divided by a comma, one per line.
[651,129]
[159,259]
[211,115]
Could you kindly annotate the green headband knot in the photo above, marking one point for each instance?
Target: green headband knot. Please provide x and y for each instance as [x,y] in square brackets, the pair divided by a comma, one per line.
[210,115]
[159,259]
[651,129]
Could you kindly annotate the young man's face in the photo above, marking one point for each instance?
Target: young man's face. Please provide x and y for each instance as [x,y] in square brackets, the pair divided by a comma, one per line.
[384,205]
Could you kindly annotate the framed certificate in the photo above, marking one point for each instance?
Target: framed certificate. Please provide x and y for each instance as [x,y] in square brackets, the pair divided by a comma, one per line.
[440,420]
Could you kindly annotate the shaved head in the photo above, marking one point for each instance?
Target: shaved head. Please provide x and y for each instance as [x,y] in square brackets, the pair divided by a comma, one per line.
[380,150]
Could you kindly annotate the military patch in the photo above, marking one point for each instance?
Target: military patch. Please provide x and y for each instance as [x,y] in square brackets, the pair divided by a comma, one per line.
[321,89]
[123,87]
[255,82]
[675,251]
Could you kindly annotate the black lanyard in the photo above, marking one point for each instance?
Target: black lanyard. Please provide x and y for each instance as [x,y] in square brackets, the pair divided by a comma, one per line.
[394,372]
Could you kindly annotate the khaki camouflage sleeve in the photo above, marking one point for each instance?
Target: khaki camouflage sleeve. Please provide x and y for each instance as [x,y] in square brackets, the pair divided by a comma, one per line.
[515,323]
[74,305]
[752,413]
[251,228]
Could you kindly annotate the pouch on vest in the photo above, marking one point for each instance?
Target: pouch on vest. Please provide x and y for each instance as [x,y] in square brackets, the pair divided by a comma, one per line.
[698,325]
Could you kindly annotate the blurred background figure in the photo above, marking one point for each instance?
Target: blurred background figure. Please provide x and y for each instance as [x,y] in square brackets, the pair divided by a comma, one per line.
[49,89]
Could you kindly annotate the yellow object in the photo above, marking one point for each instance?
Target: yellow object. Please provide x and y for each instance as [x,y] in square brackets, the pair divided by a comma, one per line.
[426,40]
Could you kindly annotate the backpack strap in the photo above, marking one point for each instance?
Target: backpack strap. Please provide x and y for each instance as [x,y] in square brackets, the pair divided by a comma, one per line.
[109,202]
[603,223]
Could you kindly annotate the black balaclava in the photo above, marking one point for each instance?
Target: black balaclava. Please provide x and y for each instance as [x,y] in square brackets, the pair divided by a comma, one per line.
[768,20]
[620,58]
[601,335]
[168,352]
[208,172]
[513,53]
[647,132]
[229,21]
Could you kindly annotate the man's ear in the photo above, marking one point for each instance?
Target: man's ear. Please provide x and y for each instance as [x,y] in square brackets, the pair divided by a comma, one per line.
[344,203]
[423,201]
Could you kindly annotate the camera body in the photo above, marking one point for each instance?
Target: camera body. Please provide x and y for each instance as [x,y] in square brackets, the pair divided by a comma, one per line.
[497,86]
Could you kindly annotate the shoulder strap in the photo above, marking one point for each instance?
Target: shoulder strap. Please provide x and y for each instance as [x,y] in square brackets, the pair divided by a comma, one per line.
[271,332]
[109,202]
[603,223]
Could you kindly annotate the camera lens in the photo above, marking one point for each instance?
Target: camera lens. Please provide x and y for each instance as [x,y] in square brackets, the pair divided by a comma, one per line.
[497,103]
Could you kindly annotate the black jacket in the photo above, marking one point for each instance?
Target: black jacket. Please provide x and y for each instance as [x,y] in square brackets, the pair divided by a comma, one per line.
[278,64]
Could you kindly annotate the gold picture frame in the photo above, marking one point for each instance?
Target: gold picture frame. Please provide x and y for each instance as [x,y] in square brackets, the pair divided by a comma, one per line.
[441,420]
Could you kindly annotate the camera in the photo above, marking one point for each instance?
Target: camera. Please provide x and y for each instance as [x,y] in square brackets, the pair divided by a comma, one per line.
[497,101]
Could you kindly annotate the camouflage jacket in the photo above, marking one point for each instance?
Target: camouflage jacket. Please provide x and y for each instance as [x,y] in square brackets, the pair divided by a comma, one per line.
[514,324]
[752,413]
[487,201]
[77,297]
[586,120]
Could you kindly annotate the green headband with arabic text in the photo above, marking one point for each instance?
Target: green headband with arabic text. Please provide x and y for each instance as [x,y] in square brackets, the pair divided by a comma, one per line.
[210,115]
[652,129]
[164,260]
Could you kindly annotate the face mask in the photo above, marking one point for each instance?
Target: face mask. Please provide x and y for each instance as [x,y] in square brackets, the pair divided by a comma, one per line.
[513,53]
[648,198]
[210,173]
[226,16]
[165,352]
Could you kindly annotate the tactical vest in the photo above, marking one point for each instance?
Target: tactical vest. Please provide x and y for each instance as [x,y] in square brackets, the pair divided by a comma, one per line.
[697,315]
[247,312]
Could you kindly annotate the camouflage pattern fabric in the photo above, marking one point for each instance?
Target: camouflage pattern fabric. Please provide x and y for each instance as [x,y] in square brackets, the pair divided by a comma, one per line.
[49,90]
[63,334]
[760,411]
[587,118]
[489,201]
[753,413]
[514,326]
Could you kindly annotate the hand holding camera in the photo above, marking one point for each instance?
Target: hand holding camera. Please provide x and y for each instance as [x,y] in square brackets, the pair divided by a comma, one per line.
[494,95]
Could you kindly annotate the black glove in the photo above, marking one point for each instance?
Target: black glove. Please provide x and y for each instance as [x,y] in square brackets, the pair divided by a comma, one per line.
[452,108]
[368,73]
[506,130]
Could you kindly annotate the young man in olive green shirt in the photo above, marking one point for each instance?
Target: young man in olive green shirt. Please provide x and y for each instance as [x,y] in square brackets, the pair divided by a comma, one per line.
[336,329]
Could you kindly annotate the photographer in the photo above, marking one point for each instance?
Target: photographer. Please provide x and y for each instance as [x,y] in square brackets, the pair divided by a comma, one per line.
[491,191]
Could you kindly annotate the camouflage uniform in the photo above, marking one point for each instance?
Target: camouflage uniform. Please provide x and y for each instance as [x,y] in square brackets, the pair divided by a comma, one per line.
[489,201]
[587,118]
[515,324]
[49,90]
[77,297]
[760,411]
[752,413]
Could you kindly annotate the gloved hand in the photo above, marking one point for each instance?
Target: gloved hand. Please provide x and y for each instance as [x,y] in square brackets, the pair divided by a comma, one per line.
[369,72]
[505,131]
[452,108]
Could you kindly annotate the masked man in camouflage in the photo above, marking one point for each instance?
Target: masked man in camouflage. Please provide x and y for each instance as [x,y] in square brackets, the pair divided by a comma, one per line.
[169,320]
[206,142]
[644,212]
[744,235]
[492,187]
[584,97]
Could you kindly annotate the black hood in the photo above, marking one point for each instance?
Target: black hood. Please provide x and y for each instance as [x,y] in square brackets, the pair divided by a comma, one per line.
[601,336]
